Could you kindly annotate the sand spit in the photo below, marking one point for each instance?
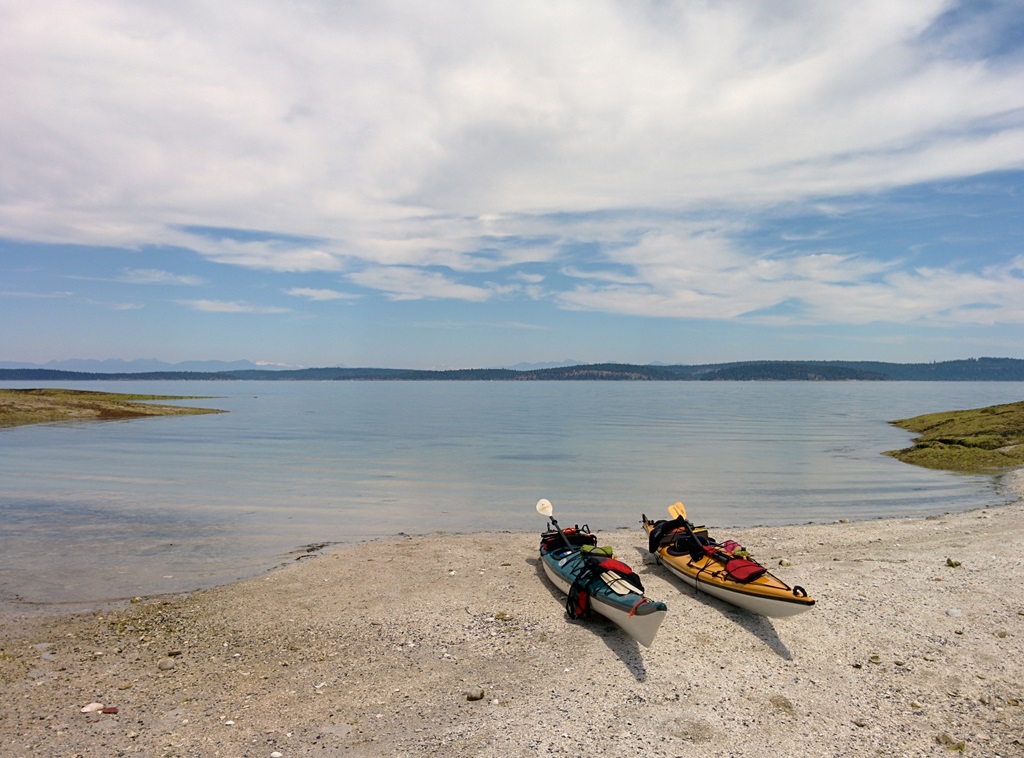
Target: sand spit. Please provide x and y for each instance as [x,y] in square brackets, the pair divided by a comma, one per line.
[19,407]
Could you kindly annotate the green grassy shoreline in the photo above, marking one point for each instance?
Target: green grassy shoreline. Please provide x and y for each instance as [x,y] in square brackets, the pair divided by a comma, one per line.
[979,441]
[19,407]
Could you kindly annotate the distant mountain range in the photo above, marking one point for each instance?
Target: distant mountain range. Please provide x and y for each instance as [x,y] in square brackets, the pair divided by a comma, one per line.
[144,365]
[968,370]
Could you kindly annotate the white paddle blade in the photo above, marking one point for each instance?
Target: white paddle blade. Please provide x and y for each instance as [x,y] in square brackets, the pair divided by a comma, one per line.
[619,585]
[544,507]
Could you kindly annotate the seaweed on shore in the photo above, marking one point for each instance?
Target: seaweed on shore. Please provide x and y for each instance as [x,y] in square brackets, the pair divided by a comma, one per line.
[979,441]
[36,406]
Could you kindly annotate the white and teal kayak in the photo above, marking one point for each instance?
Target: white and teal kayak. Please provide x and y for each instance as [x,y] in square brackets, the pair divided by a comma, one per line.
[593,580]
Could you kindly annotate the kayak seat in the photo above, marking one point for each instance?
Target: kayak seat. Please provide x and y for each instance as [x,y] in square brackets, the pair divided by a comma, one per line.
[684,544]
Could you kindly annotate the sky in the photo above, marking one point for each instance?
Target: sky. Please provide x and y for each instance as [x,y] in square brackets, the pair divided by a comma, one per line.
[477,184]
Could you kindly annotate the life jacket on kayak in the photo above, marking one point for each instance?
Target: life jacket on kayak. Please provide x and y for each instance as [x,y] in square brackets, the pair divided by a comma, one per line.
[597,562]
[736,566]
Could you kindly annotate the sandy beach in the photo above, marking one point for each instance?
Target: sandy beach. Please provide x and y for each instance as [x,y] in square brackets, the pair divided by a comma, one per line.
[371,650]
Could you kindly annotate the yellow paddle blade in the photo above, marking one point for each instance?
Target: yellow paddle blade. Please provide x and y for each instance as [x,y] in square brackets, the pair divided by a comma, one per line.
[677,509]
[544,507]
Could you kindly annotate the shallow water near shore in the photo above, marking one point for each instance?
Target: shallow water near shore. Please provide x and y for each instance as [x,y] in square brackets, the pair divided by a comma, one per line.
[101,510]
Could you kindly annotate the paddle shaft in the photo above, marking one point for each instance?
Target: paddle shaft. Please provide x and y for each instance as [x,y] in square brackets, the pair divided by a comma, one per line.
[559,530]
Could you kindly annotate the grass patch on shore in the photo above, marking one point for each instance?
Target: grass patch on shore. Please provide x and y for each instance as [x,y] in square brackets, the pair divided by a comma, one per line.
[38,406]
[979,441]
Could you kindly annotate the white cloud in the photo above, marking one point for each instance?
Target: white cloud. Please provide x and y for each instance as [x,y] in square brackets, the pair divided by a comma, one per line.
[221,306]
[152,114]
[35,295]
[522,276]
[703,277]
[318,294]
[278,255]
[156,276]
[415,284]
[117,306]
[495,138]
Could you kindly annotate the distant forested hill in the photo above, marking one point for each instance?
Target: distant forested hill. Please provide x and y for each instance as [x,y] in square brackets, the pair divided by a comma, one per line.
[969,370]
[789,371]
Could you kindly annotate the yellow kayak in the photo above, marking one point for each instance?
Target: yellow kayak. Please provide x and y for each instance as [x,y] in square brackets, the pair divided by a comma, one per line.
[724,571]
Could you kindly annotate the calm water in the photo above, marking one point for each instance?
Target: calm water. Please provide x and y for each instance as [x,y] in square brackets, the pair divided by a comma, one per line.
[115,509]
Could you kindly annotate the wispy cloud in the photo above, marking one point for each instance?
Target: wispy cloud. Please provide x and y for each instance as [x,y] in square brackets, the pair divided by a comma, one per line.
[117,306]
[405,283]
[220,306]
[156,276]
[142,276]
[283,256]
[319,294]
[711,280]
[35,295]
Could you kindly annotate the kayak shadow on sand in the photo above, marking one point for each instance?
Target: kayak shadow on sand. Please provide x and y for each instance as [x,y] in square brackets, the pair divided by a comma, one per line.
[625,647]
[759,626]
